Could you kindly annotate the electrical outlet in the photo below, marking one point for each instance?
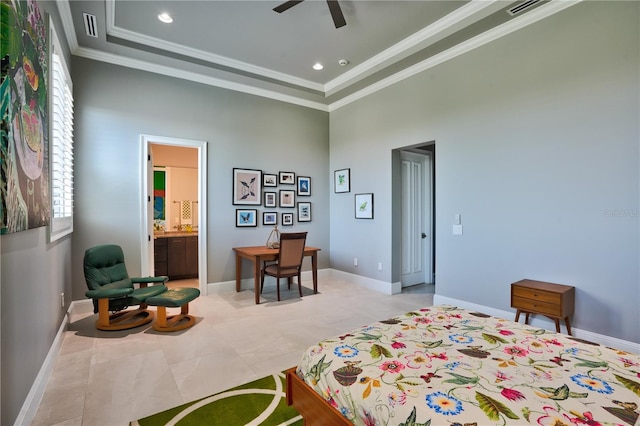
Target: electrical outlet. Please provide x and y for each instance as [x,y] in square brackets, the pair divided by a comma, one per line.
[379,266]
[355,261]
[62,300]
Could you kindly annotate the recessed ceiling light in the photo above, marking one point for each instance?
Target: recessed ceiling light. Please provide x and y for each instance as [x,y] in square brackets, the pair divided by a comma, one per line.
[317,66]
[165,17]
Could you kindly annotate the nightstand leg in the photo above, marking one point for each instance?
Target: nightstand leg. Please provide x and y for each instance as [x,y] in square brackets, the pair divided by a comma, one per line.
[557,325]
[526,318]
[566,322]
[517,315]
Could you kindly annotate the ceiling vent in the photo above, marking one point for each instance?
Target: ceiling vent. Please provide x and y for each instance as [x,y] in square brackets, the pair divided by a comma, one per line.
[90,25]
[525,5]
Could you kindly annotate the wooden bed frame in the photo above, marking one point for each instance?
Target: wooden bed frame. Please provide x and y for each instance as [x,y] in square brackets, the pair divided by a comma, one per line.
[312,407]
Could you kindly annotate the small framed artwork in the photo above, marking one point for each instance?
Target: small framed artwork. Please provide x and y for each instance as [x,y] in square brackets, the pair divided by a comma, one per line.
[270,199]
[269,218]
[304,212]
[304,185]
[364,206]
[342,180]
[287,178]
[246,217]
[287,198]
[269,180]
[287,219]
[247,187]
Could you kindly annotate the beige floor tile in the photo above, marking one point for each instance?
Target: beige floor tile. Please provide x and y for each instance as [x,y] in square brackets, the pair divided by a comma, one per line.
[112,378]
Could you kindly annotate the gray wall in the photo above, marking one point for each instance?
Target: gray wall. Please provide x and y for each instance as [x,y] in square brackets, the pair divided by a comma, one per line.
[115,105]
[537,141]
[537,148]
[33,274]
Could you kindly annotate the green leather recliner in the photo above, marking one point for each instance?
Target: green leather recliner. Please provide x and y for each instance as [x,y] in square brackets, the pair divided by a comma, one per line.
[113,291]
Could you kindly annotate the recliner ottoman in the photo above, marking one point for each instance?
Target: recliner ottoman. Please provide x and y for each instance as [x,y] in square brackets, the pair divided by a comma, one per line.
[173,298]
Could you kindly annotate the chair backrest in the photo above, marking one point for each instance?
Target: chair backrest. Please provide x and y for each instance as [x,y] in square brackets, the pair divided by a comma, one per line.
[291,249]
[105,265]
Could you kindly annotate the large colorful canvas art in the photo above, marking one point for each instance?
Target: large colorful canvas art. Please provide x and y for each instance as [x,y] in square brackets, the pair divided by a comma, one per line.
[24,138]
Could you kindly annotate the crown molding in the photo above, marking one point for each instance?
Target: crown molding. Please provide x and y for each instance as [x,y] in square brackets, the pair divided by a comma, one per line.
[67,24]
[508,27]
[115,31]
[432,33]
[542,12]
[111,58]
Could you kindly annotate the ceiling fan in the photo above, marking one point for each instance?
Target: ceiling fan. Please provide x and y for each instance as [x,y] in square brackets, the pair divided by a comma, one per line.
[334,8]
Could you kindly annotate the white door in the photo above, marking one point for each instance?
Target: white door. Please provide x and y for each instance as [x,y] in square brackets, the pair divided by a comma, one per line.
[416,219]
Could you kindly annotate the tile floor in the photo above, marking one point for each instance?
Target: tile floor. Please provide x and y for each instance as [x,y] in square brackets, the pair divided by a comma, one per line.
[112,378]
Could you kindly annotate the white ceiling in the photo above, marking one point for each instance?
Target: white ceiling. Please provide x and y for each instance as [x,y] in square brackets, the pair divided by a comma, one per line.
[246,46]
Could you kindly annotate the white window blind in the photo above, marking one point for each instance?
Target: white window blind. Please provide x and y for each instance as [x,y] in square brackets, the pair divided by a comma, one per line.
[61,145]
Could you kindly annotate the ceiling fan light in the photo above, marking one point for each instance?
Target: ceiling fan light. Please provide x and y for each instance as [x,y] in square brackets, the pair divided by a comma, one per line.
[317,66]
[165,17]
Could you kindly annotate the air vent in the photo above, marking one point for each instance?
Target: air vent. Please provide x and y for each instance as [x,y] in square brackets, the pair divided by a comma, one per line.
[522,7]
[90,25]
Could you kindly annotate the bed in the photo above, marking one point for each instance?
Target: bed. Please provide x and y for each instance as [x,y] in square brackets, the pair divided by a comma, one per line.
[443,365]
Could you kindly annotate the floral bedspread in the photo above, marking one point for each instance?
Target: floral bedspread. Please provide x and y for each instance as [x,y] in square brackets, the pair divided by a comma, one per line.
[448,366]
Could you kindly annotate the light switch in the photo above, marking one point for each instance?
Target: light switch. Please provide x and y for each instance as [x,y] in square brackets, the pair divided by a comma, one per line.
[457,229]
[456,219]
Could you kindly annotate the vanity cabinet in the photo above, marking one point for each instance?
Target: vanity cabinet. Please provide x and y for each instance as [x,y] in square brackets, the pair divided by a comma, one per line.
[160,256]
[177,257]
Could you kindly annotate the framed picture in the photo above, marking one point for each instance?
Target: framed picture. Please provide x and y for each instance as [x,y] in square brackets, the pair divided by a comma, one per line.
[270,199]
[269,180]
[342,180]
[246,217]
[287,178]
[287,198]
[287,219]
[304,212]
[247,187]
[269,218]
[304,185]
[364,206]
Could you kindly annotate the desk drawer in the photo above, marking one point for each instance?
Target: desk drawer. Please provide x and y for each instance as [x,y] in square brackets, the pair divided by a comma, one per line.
[535,306]
[539,295]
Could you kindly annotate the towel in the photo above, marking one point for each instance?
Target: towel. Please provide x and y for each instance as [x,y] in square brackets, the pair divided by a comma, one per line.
[185,212]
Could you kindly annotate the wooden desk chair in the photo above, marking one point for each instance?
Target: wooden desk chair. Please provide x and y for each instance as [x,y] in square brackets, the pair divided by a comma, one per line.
[289,263]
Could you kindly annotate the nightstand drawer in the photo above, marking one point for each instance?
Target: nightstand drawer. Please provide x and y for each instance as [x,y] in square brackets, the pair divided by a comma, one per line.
[540,295]
[536,306]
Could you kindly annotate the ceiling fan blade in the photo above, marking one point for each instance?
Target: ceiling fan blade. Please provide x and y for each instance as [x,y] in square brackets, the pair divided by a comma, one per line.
[286,5]
[336,13]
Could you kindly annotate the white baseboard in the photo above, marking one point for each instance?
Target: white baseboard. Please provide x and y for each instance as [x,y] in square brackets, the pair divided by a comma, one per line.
[370,283]
[542,322]
[34,397]
[248,283]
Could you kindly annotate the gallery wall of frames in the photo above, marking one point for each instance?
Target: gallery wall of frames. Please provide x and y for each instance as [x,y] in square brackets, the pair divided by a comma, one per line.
[269,199]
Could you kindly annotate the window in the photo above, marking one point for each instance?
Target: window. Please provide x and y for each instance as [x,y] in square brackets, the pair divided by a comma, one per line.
[61,147]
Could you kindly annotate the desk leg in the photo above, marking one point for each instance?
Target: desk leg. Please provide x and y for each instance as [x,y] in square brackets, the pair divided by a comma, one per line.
[238,271]
[314,268]
[256,278]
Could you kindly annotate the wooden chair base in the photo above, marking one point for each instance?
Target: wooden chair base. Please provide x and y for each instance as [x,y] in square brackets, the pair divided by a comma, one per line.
[176,322]
[122,320]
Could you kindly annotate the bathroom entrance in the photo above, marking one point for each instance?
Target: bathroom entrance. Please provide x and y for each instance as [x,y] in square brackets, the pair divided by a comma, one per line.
[175,219]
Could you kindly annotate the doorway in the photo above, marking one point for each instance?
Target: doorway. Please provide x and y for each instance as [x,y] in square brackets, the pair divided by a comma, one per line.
[417,246]
[198,207]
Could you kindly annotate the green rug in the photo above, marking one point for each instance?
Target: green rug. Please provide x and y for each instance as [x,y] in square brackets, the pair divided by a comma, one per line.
[261,402]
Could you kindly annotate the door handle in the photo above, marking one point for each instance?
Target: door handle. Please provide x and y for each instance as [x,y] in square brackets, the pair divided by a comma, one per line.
[424,235]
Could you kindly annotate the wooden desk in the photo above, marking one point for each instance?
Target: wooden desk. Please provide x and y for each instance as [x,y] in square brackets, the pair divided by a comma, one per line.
[555,301]
[258,254]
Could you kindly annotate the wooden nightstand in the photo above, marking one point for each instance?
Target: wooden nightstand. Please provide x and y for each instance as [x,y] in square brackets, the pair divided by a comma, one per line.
[555,301]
